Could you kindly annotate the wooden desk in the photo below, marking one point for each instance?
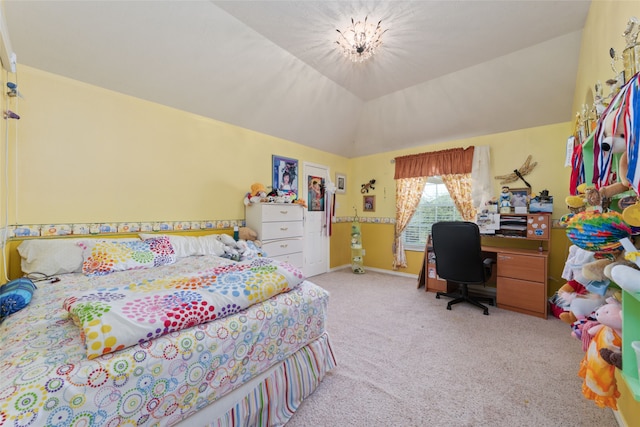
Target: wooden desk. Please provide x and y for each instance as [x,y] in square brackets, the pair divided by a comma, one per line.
[520,274]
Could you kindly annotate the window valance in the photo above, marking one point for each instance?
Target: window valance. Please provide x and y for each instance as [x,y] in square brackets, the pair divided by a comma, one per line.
[436,163]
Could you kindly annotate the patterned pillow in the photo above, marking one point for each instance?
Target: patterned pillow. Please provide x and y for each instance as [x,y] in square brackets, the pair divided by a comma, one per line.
[102,257]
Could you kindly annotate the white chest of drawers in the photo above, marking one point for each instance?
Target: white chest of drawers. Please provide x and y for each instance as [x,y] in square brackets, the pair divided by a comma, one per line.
[280,227]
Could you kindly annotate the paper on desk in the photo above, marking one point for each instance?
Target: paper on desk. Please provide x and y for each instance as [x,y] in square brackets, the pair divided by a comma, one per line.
[488,222]
[630,250]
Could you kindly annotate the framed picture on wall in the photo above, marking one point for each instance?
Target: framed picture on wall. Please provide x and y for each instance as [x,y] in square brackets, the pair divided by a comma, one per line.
[285,174]
[341,183]
[369,203]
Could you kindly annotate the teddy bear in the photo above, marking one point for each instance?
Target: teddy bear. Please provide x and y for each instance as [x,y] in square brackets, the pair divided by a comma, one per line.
[246,233]
[598,373]
[257,194]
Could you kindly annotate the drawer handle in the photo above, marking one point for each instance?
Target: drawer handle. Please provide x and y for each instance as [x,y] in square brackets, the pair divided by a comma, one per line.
[284,212]
[284,245]
[284,228]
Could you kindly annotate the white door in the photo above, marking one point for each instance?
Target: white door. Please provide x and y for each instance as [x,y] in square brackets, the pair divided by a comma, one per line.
[316,238]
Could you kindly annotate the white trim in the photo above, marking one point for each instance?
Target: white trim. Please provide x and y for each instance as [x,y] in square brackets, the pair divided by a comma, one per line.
[619,419]
[377,270]
[391,272]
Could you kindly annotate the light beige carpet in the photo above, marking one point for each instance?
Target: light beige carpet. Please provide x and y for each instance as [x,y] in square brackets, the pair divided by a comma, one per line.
[405,360]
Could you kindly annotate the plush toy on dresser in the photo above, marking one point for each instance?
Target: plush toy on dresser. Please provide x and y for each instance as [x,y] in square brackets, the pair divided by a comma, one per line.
[599,374]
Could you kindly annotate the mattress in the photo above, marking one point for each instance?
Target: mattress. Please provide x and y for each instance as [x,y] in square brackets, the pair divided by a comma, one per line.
[46,378]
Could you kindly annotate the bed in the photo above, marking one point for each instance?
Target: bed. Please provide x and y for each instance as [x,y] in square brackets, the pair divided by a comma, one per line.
[245,365]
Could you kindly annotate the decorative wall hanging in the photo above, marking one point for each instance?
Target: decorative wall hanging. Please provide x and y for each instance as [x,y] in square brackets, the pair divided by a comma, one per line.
[316,193]
[341,183]
[364,188]
[525,169]
[285,174]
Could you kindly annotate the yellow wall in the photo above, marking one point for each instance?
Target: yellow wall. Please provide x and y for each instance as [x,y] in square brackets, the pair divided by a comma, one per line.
[509,150]
[88,154]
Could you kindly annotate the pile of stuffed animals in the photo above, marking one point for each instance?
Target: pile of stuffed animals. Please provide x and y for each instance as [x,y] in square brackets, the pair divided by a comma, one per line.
[590,302]
[603,260]
[245,248]
[259,194]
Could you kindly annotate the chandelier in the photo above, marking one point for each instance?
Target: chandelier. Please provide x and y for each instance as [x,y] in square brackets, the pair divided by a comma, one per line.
[360,40]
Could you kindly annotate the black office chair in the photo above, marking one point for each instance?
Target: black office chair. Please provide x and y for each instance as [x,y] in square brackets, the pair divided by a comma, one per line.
[457,248]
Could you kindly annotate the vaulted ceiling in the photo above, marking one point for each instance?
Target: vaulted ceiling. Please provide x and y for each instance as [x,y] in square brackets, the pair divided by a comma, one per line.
[446,70]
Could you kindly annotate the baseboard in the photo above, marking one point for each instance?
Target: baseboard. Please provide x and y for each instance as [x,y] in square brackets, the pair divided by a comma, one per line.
[377,270]
[619,419]
[392,272]
[341,267]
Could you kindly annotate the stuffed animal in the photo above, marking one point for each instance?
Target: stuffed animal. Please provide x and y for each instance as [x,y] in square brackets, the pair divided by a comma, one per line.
[599,375]
[257,194]
[300,202]
[505,199]
[580,305]
[560,302]
[245,233]
[614,143]
[628,278]
[230,247]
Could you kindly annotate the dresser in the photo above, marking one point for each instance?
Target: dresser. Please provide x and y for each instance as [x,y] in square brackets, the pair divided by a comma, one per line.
[280,227]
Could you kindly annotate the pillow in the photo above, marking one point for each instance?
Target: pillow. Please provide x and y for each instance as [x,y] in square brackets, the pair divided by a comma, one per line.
[15,296]
[186,246]
[102,257]
[53,256]
[50,257]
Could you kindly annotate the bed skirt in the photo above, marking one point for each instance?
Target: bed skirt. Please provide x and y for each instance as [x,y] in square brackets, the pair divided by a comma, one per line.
[271,398]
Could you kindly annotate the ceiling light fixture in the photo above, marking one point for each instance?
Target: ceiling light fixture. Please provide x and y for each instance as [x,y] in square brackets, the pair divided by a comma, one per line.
[360,41]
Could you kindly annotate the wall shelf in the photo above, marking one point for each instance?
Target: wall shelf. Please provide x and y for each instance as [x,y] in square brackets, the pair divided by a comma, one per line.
[630,333]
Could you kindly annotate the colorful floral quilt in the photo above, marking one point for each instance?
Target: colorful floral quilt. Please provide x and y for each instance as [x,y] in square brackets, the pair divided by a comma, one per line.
[46,378]
[115,318]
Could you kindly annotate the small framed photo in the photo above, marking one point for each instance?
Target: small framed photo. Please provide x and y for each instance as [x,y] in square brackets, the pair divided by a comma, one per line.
[369,203]
[285,174]
[520,199]
[341,183]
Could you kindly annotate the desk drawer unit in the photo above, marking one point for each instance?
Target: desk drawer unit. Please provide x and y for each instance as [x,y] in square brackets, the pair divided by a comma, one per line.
[522,283]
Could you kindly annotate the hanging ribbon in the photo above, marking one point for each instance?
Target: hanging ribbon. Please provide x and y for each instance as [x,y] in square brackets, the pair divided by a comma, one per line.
[603,158]
[632,133]
[577,169]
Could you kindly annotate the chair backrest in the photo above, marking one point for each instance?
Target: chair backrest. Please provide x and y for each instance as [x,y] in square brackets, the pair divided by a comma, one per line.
[458,252]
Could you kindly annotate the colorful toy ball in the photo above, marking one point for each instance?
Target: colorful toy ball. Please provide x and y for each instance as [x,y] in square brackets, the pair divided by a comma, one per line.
[597,231]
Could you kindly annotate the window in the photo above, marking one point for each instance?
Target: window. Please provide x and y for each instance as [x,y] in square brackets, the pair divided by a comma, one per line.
[435,205]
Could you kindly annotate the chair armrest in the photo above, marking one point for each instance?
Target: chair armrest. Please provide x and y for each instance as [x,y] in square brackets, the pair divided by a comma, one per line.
[488,266]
